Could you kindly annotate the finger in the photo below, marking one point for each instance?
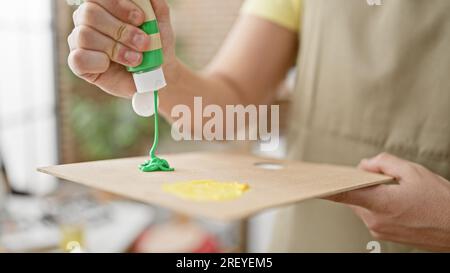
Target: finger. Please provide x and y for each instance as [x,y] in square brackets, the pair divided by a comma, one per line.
[387,164]
[83,62]
[363,213]
[162,10]
[96,17]
[124,10]
[370,198]
[117,81]
[87,38]
[371,221]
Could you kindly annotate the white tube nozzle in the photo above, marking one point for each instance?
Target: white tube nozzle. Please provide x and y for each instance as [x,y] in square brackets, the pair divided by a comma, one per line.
[146,83]
[149,81]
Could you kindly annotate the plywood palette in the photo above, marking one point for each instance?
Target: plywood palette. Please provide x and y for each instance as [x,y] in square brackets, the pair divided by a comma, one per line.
[287,183]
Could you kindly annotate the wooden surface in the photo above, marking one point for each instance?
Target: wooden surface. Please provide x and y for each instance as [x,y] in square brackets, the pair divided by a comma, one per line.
[297,181]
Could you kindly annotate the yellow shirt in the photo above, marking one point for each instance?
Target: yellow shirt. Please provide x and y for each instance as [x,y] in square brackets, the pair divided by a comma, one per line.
[286,13]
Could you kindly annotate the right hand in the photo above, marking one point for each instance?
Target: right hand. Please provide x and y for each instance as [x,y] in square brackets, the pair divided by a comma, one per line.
[106,38]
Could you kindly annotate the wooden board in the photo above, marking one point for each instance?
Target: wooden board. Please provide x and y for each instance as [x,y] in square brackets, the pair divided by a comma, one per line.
[295,182]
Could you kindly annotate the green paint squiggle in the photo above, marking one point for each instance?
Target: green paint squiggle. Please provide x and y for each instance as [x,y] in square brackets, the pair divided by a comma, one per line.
[156,164]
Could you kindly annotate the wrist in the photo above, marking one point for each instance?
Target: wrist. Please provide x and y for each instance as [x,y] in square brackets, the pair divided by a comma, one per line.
[172,71]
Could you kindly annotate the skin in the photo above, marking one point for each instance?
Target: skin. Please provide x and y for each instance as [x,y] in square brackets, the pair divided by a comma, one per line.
[416,211]
[98,56]
[106,37]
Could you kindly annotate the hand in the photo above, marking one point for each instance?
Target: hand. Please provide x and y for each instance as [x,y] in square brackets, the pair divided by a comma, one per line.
[106,38]
[416,211]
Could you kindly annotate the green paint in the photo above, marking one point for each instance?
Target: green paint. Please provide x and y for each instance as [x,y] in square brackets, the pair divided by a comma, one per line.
[156,164]
[150,27]
[151,59]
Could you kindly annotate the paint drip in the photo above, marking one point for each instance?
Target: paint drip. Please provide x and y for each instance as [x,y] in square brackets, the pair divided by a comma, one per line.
[155,164]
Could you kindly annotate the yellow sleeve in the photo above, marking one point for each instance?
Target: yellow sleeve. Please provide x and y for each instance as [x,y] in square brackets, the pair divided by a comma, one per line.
[286,13]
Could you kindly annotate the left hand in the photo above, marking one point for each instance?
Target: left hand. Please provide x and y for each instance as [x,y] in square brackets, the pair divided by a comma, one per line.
[416,211]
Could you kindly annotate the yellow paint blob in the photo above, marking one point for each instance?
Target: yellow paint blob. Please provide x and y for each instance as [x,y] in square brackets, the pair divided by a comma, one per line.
[207,190]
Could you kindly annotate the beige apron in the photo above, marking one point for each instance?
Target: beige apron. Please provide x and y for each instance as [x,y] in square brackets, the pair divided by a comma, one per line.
[371,79]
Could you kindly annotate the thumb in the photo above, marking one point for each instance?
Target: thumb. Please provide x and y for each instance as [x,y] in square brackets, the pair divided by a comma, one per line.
[376,196]
[386,164]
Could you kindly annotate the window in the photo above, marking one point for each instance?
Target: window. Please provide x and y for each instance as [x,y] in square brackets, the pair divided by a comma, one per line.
[28,137]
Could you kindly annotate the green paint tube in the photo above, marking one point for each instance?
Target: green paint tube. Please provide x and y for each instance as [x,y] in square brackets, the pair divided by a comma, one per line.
[148,76]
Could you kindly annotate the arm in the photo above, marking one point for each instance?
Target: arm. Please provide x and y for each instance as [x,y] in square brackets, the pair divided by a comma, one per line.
[253,61]
[415,211]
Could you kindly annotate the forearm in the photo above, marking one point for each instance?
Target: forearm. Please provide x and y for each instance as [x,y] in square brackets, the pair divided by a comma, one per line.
[185,84]
[251,64]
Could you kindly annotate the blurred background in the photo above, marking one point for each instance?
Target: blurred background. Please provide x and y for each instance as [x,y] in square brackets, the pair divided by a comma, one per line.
[48,116]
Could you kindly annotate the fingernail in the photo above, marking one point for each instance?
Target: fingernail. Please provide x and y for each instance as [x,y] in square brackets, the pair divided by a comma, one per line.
[135,17]
[140,40]
[132,57]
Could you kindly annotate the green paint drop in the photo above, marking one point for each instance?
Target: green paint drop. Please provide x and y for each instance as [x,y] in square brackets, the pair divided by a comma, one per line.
[156,164]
